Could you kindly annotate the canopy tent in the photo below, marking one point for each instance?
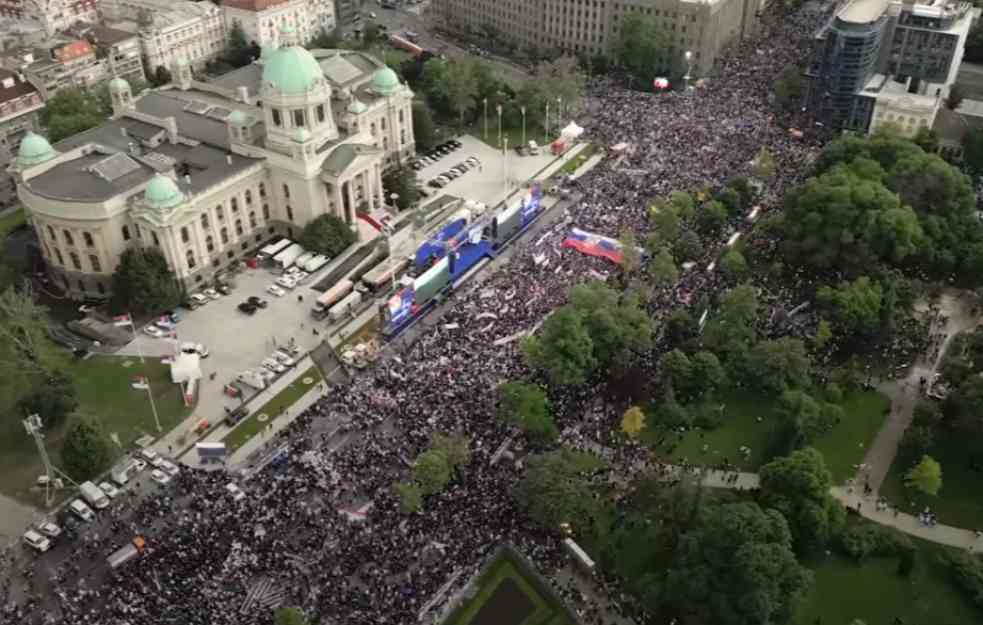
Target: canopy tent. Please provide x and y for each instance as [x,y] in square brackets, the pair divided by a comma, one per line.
[571,132]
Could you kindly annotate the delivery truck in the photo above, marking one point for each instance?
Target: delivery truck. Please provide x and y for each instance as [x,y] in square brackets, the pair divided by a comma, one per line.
[331,297]
[127,552]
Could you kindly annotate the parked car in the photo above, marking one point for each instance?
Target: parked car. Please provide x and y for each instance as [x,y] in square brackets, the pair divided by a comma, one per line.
[257,302]
[275,290]
[82,511]
[287,282]
[37,541]
[300,276]
[456,143]
[169,468]
[140,464]
[211,294]
[160,477]
[49,529]
[150,456]
[111,491]
[199,299]
[247,308]
[284,358]
[224,289]
[473,161]
[195,348]
[273,365]
[154,331]
[165,324]
[436,184]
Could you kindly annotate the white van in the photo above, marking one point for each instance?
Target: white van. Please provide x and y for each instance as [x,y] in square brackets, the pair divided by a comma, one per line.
[82,511]
[37,541]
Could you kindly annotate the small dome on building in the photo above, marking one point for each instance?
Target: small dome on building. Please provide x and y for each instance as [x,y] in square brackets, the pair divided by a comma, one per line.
[182,61]
[162,193]
[302,135]
[117,85]
[385,81]
[292,70]
[34,149]
[238,118]
[357,107]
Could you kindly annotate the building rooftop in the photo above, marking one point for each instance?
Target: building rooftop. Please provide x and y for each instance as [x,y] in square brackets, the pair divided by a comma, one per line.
[252,5]
[12,87]
[863,11]
[107,35]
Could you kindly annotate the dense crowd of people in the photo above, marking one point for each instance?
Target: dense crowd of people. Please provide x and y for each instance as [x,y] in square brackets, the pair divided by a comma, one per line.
[212,560]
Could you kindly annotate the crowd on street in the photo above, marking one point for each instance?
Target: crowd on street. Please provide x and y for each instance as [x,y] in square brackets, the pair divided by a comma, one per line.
[212,560]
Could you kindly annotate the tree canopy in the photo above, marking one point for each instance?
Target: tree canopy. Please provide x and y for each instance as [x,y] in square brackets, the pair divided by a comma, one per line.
[87,451]
[526,406]
[143,282]
[643,47]
[72,111]
[926,476]
[798,486]
[556,488]
[328,235]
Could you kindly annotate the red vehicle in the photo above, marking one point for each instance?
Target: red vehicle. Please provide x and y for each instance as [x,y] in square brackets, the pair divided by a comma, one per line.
[405,44]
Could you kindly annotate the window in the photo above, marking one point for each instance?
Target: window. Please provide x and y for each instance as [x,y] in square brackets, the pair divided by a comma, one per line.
[138,231]
[252,220]
[234,204]
[102,289]
[190,255]
[219,213]
[126,233]
[61,259]
[87,237]
[75,261]
[238,226]
[185,236]
[216,262]
[401,116]
[299,118]
[266,212]
[68,237]
[94,263]
[286,191]
[249,197]
[290,213]
[156,240]
[320,113]
[372,128]
[51,233]
[277,120]
[225,236]
[204,221]
[210,243]
[262,190]
[382,123]
[245,245]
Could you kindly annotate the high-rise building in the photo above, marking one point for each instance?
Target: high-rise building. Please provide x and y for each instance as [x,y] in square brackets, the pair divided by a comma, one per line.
[879,61]
[589,27]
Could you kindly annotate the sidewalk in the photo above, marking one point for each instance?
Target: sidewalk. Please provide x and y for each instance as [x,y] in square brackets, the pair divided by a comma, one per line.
[275,425]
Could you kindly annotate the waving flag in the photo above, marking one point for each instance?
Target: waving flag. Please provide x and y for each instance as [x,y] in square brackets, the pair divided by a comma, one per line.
[594,245]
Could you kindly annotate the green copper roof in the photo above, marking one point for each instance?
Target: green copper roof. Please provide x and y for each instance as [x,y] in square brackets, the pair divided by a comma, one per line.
[385,81]
[34,149]
[302,135]
[237,117]
[118,84]
[162,193]
[357,107]
[292,70]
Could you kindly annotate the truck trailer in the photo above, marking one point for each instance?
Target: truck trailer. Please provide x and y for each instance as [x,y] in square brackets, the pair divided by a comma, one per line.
[287,257]
[127,552]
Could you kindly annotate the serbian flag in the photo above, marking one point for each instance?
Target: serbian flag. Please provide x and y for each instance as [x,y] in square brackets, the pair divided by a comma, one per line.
[594,245]
[123,320]
[660,83]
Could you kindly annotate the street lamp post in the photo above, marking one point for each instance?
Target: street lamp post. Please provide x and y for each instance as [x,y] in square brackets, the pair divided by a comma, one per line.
[523,110]
[505,169]
[486,119]
[498,109]
[689,69]
[559,110]
[546,136]
[389,241]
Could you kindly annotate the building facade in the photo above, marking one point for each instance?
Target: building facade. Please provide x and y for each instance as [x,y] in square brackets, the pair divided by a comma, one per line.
[346,10]
[884,60]
[261,20]
[20,105]
[53,15]
[590,27]
[207,171]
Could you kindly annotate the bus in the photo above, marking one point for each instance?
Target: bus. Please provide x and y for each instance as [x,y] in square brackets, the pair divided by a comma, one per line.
[331,297]
[273,249]
[382,277]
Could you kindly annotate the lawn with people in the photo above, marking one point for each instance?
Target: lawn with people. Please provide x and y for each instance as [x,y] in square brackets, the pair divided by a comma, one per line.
[263,416]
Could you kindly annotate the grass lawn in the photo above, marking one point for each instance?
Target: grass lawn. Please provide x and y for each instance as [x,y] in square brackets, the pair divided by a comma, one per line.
[748,423]
[960,502]
[105,393]
[477,130]
[875,593]
[571,166]
[10,221]
[509,594]
[251,425]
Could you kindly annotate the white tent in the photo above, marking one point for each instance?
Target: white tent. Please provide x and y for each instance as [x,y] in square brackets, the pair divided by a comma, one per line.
[185,367]
[571,132]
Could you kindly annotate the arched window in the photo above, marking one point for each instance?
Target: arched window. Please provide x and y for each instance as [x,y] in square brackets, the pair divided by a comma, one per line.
[61,259]
[68,237]
[219,213]
[126,233]
[277,120]
[286,191]
[75,261]
[372,128]
[225,236]
[262,190]
[204,221]
[252,219]
[249,197]
[382,124]
[401,116]
[185,235]
[299,121]
[190,255]
[234,203]
[210,243]
[290,213]
[156,239]
[320,113]
[94,262]
[238,226]
[402,136]
[88,239]
[266,212]
[51,233]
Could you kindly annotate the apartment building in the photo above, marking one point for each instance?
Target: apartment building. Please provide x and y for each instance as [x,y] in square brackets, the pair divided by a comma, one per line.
[20,104]
[261,20]
[591,27]
[887,61]
[53,15]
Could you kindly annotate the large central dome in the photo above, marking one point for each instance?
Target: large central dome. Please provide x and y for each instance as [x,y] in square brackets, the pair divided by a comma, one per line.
[292,70]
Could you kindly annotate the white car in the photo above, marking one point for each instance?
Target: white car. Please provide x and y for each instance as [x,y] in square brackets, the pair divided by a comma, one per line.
[275,290]
[169,468]
[140,464]
[111,491]
[49,529]
[165,324]
[286,282]
[199,299]
[235,492]
[195,348]
[154,331]
[284,358]
[160,477]
[82,511]
[37,541]
[150,455]
[300,276]
[273,365]
[266,374]
[211,294]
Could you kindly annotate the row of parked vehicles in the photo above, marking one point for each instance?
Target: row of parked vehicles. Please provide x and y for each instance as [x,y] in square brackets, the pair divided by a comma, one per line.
[270,368]
[98,496]
[435,154]
[457,171]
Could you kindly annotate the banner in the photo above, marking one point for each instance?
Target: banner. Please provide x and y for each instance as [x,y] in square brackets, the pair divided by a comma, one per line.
[594,245]
[123,320]
[400,305]
[531,204]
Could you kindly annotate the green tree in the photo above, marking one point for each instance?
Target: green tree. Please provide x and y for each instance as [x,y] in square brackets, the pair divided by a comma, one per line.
[824,332]
[25,349]
[778,364]
[926,476]
[630,256]
[325,40]
[854,306]
[973,150]
[423,125]
[144,283]
[289,616]
[974,44]
[432,471]
[732,201]
[560,78]
[666,220]
[661,268]
[642,48]
[328,235]
[556,488]
[72,111]
[733,266]
[239,52]
[403,182]
[927,139]
[460,87]
[563,348]
[798,486]
[633,422]
[688,246]
[712,217]
[87,451]
[457,448]
[410,496]
[730,331]
[708,373]
[763,165]
[616,321]
[915,444]
[53,400]
[527,407]
[789,89]
[371,35]
[677,369]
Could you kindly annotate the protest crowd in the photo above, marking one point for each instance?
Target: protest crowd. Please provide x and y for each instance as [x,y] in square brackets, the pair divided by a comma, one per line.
[215,561]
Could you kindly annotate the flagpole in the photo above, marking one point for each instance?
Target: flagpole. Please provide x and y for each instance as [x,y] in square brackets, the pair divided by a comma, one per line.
[146,374]
[133,331]
[153,406]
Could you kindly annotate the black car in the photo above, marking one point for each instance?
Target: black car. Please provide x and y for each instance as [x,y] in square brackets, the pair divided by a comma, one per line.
[455,143]
[256,302]
[224,289]
[247,308]
[235,416]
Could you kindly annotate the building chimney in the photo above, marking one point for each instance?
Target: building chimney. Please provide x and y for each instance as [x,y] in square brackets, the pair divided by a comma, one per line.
[243,94]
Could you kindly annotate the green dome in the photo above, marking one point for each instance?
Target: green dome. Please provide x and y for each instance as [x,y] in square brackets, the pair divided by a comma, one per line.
[292,71]
[385,81]
[118,84]
[34,149]
[301,135]
[286,29]
[238,118]
[162,193]
[357,107]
